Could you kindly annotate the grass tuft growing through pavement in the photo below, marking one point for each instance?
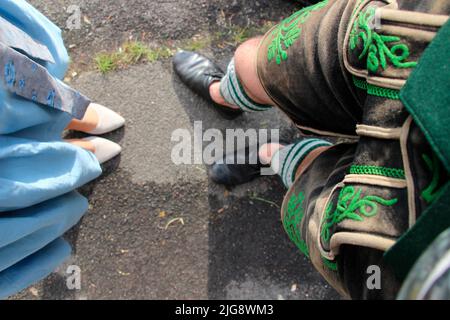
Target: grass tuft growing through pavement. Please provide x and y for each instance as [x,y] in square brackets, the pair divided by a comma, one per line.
[105,62]
[159,53]
[134,52]
[129,54]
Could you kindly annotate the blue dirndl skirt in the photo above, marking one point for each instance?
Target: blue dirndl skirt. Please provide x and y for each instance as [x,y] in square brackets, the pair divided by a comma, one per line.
[38,171]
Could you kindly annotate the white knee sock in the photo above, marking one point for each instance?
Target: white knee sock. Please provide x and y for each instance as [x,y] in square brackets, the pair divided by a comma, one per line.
[232,91]
[286,161]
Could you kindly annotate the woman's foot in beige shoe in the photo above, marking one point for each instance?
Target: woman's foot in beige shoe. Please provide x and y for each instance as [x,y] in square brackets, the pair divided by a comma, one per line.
[98,120]
[103,149]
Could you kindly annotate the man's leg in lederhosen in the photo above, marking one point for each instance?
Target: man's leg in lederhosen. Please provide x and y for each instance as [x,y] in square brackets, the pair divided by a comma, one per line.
[351,203]
[346,204]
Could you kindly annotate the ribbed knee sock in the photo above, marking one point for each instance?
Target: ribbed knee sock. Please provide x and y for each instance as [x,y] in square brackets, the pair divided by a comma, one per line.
[233,92]
[287,160]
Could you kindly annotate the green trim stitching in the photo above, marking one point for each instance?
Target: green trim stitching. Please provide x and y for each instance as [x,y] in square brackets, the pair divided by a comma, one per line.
[293,217]
[432,192]
[378,171]
[288,31]
[375,90]
[360,83]
[376,48]
[383,92]
[351,205]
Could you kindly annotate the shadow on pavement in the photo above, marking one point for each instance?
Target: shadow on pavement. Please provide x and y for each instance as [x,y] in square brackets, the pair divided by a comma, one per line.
[250,256]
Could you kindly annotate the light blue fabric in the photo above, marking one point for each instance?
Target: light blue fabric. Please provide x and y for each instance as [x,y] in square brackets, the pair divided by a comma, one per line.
[17,113]
[34,268]
[32,172]
[38,171]
[28,230]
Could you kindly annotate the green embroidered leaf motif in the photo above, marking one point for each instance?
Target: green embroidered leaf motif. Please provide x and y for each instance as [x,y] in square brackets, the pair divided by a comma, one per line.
[325,234]
[376,47]
[354,216]
[371,202]
[271,53]
[293,217]
[354,206]
[288,31]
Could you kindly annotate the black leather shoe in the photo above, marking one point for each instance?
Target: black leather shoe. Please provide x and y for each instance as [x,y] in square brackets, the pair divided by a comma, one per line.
[234,174]
[198,73]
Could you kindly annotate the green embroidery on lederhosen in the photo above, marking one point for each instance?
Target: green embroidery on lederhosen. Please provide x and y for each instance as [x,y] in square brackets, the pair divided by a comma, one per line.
[288,31]
[351,205]
[332,265]
[292,220]
[378,49]
[433,191]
